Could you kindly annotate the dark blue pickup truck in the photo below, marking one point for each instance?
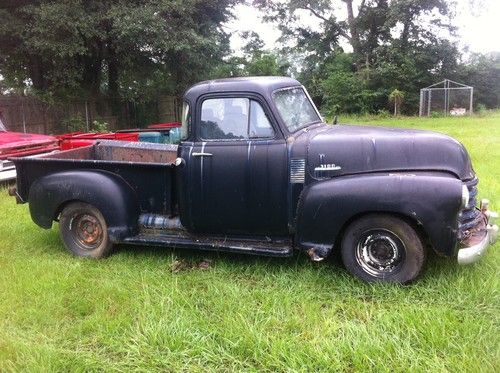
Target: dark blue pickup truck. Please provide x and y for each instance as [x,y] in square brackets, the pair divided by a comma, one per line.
[258,171]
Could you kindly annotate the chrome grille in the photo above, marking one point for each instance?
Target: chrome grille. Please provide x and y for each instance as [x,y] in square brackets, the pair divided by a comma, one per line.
[470,216]
[297,170]
[6,165]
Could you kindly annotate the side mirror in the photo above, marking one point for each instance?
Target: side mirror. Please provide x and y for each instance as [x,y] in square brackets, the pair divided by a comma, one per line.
[335,120]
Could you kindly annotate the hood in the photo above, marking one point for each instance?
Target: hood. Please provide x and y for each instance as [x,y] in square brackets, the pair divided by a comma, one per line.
[347,149]
[18,144]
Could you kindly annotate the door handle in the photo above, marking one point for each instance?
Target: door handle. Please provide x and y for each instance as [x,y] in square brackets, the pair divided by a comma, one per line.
[201,154]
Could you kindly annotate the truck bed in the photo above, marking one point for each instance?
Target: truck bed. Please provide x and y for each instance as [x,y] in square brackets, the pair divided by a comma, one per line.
[147,168]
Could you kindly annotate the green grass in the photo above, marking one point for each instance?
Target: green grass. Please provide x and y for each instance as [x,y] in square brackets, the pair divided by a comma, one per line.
[132,312]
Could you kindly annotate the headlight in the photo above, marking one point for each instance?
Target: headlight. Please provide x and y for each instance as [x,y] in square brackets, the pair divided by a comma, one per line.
[465,196]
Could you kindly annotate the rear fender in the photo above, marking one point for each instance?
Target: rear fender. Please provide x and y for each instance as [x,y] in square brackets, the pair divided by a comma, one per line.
[108,192]
[431,202]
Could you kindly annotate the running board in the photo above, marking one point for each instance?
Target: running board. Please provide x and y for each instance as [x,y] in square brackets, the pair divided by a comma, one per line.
[227,244]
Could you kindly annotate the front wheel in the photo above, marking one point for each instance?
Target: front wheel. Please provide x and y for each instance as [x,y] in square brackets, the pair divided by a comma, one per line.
[383,248]
[84,230]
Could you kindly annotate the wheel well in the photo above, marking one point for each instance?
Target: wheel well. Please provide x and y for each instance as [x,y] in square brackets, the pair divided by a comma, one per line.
[408,219]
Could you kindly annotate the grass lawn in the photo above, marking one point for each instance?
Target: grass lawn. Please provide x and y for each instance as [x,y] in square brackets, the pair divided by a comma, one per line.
[132,312]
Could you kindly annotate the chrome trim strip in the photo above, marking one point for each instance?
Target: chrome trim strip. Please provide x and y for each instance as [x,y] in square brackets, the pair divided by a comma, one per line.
[8,174]
[312,103]
[297,171]
[335,168]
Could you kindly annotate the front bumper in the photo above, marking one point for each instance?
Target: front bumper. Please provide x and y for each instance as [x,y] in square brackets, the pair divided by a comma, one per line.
[484,235]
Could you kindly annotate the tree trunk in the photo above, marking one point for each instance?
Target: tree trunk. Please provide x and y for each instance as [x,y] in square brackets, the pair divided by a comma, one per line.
[113,93]
[92,69]
[36,72]
[351,20]
[112,78]
[405,35]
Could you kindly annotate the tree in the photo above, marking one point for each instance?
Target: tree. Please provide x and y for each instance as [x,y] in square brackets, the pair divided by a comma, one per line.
[266,64]
[396,97]
[255,61]
[258,61]
[389,44]
[365,27]
[483,73]
[254,45]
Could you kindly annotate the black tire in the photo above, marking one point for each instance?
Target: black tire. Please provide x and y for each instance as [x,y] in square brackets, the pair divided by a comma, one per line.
[383,248]
[84,231]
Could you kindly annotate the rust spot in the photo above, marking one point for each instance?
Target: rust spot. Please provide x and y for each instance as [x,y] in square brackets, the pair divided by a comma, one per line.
[12,191]
[121,151]
[476,234]
[314,255]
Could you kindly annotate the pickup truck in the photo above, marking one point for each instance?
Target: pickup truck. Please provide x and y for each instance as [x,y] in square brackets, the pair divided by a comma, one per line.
[258,171]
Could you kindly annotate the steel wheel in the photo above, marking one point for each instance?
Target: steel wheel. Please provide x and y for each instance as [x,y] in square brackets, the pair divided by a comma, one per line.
[380,252]
[88,231]
[84,230]
[383,248]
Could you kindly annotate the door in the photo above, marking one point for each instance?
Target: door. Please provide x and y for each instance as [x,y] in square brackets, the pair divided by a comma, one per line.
[238,173]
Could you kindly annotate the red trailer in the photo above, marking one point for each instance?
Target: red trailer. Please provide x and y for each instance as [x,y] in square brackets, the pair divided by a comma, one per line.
[78,139]
[18,144]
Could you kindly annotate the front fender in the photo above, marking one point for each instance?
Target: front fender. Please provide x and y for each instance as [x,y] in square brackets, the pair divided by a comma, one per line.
[108,192]
[433,202]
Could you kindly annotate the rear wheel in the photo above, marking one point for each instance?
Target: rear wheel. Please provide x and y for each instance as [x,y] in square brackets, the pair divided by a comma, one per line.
[84,230]
[383,248]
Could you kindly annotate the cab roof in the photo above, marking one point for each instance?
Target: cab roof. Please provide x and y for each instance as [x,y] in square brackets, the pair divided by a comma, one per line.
[263,85]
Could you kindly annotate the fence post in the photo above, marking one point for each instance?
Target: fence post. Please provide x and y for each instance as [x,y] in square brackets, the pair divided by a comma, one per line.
[23,114]
[446,97]
[86,116]
[420,108]
[471,108]
[429,103]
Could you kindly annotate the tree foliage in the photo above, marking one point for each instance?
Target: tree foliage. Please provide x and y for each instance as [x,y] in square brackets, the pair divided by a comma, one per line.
[358,52]
[397,97]
[351,54]
[483,73]
[255,61]
[121,48]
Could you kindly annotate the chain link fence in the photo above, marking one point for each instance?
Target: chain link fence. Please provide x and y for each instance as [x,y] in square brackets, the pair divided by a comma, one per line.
[446,98]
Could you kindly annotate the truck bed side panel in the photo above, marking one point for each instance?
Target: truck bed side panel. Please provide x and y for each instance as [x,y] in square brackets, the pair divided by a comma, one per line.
[152,183]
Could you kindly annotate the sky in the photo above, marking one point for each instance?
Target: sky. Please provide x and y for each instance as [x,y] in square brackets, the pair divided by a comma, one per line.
[478,25]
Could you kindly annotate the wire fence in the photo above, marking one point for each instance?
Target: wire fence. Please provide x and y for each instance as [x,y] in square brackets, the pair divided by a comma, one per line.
[446,98]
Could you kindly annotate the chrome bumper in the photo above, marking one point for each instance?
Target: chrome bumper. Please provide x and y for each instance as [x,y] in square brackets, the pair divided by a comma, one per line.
[471,254]
[7,171]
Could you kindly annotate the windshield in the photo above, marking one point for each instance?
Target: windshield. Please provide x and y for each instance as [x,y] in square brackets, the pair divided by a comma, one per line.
[295,108]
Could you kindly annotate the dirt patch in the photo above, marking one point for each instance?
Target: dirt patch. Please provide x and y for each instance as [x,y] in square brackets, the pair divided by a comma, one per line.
[180,265]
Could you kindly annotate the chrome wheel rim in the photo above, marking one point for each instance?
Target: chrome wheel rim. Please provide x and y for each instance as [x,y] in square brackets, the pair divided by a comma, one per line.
[380,253]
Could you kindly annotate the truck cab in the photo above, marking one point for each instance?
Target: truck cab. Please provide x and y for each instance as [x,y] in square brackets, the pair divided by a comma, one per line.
[258,171]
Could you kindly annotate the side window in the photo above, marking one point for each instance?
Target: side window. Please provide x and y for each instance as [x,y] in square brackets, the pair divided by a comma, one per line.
[225,118]
[259,124]
[234,119]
